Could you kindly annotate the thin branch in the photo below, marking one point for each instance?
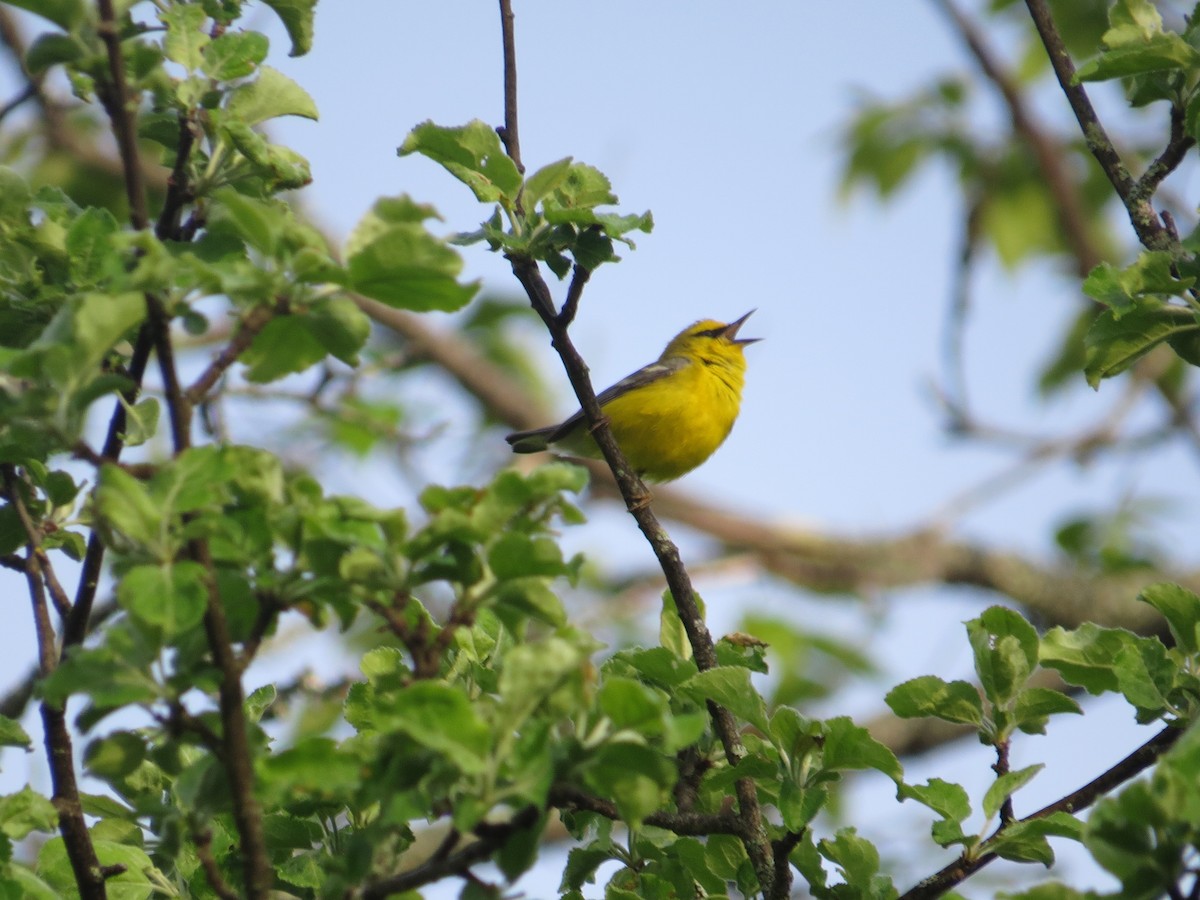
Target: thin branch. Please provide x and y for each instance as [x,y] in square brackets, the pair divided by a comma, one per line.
[115,97]
[247,330]
[1068,204]
[491,838]
[1140,759]
[178,190]
[568,797]
[29,93]
[637,502]
[1001,768]
[33,538]
[1178,144]
[1150,230]
[81,852]
[15,701]
[203,842]
[509,134]
[579,277]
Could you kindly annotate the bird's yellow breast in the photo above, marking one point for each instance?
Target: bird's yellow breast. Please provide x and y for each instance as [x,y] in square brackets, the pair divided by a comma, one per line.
[670,426]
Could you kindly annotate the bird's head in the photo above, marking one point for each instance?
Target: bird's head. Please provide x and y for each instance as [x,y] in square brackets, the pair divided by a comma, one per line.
[711,341]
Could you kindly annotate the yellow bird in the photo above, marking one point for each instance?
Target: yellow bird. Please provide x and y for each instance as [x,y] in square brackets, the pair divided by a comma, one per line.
[669,416]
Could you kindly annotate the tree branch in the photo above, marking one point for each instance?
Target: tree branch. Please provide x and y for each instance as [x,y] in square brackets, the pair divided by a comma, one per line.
[1141,758]
[637,498]
[1150,230]
[248,328]
[491,838]
[568,797]
[1046,150]
[115,97]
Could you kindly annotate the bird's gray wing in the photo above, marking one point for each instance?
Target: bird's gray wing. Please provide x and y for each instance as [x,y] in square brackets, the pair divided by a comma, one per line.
[642,377]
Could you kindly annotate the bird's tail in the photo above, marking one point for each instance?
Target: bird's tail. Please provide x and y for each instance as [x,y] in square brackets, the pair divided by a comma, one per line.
[530,441]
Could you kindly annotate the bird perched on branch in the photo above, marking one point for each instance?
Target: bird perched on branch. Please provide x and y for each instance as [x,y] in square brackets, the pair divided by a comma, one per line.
[670,416]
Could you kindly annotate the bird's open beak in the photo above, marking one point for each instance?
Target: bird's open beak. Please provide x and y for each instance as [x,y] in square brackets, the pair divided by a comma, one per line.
[731,330]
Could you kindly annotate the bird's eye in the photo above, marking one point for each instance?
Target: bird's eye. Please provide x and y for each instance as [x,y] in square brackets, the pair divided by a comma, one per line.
[712,332]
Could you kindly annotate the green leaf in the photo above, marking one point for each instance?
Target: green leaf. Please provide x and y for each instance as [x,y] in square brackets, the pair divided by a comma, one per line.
[286,345]
[1149,275]
[1085,656]
[186,38]
[111,677]
[928,695]
[51,49]
[529,598]
[516,555]
[66,14]
[1145,675]
[441,718]
[1006,652]
[1026,841]
[1181,608]
[317,768]
[408,268]
[856,859]
[115,755]
[12,734]
[472,153]
[269,96]
[849,746]
[235,54]
[259,222]
[945,798]
[545,180]
[141,421]
[25,812]
[1005,786]
[636,777]
[125,504]
[171,596]
[1114,344]
[297,18]
[631,704]
[86,328]
[132,884]
[1164,52]
[1035,704]
[90,244]
[671,633]
[730,687]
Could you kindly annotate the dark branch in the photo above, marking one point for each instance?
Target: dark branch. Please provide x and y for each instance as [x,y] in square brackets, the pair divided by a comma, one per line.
[203,842]
[1046,150]
[509,133]
[1140,759]
[247,330]
[637,502]
[568,797]
[1141,214]
[491,837]
[115,97]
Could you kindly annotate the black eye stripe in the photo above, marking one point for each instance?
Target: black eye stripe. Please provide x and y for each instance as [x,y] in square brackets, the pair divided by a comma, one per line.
[712,332]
